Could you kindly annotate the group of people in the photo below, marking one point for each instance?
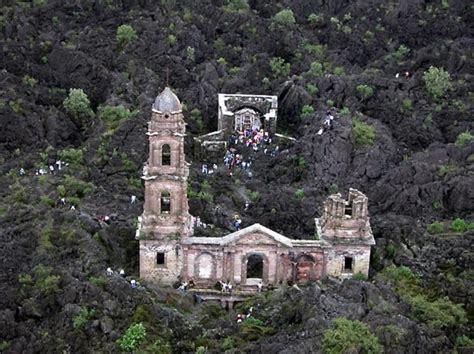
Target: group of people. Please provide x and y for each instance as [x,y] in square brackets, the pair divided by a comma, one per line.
[45,170]
[226,287]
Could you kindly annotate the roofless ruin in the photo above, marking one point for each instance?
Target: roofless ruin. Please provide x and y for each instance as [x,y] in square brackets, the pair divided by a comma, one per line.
[169,251]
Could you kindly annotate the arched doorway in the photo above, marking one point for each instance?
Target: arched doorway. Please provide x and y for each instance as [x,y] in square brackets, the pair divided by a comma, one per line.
[247,118]
[204,266]
[305,268]
[255,267]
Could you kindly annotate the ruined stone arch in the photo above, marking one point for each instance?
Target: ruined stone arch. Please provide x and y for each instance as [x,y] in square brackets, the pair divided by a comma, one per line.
[205,266]
[264,264]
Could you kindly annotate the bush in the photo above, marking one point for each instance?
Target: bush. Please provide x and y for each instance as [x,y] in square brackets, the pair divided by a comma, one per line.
[312,89]
[228,343]
[77,103]
[45,283]
[299,194]
[437,82]
[440,313]
[253,329]
[364,134]
[307,111]
[74,187]
[316,69]
[237,5]
[171,39]
[79,321]
[254,196]
[280,67]
[133,337]
[125,35]
[100,282]
[443,170]
[360,277]
[401,53]
[459,225]
[365,91]
[284,18]
[314,19]
[112,116]
[464,341]
[407,104]
[435,228]
[72,156]
[350,336]
[464,139]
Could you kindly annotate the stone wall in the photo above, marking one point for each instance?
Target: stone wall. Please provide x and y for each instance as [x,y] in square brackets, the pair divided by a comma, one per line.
[335,260]
[167,273]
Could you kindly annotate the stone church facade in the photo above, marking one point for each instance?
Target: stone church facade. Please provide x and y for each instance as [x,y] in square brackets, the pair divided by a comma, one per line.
[169,251]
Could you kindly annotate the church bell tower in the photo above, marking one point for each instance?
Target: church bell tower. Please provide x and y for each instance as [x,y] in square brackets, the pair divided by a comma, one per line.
[165,219]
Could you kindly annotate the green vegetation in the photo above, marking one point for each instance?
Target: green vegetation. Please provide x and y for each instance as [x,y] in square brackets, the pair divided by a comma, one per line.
[459,225]
[360,277]
[299,194]
[196,115]
[444,170]
[78,105]
[365,91]
[284,18]
[312,89]
[45,283]
[464,139]
[314,19]
[72,156]
[435,228]
[253,329]
[133,337]
[237,6]
[73,187]
[280,68]
[29,81]
[171,39]
[464,341]
[435,313]
[316,69]
[350,336]
[254,196]
[125,35]
[407,105]
[437,82]
[112,116]
[307,111]
[401,53]
[4,345]
[80,321]
[100,282]
[363,133]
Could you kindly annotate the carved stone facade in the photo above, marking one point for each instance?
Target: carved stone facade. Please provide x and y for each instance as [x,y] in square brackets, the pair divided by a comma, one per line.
[168,251]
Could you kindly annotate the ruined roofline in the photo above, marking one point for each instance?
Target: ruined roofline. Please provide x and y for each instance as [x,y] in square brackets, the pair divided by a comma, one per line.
[246,95]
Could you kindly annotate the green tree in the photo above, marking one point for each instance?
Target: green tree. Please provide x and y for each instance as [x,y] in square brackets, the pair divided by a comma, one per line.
[284,18]
[365,91]
[437,82]
[77,103]
[464,139]
[280,67]
[237,5]
[125,35]
[350,336]
[133,337]
[363,133]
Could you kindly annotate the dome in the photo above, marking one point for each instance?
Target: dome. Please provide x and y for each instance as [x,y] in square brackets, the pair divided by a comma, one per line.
[167,101]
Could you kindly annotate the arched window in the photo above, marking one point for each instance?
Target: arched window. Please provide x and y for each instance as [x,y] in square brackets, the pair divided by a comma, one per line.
[165,155]
[165,203]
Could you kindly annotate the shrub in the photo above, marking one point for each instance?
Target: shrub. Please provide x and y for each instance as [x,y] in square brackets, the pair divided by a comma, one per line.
[365,91]
[401,53]
[440,313]
[339,70]
[435,228]
[125,35]
[443,170]
[280,67]
[360,277]
[464,139]
[464,341]
[29,81]
[72,156]
[74,187]
[253,329]
[459,225]
[437,82]
[113,115]
[307,111]
[100,282]
[314,19]
[228,343]
[299,194]
[254,196]
[79,321]
[316,69]
[364,134]
[237,5]
[77,103]
[350,336]
[133,337]
[4,345]
[284,18]
[407,104]
[171,39]
[45,283]
[312,89]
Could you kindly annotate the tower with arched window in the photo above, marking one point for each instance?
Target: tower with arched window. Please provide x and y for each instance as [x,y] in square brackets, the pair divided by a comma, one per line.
[165,220]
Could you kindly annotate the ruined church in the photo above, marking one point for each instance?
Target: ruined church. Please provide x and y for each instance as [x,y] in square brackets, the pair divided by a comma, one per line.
[256,254]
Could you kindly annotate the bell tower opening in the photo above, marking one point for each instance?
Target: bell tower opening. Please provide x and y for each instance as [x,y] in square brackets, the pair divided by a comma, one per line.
[165,203]
[166,155]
